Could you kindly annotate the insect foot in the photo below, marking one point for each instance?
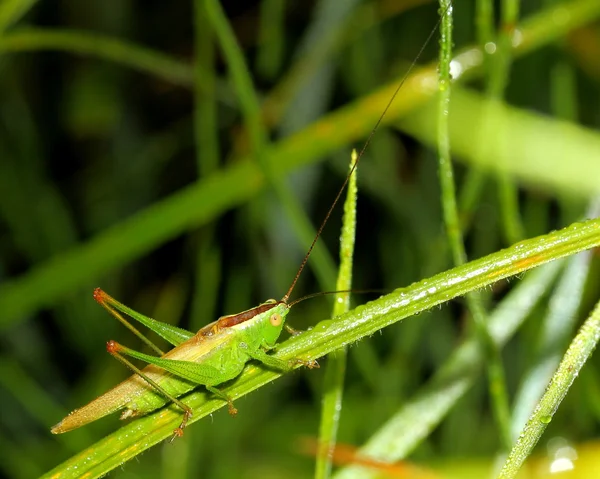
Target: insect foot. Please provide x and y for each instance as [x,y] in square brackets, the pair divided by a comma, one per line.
[310,364]
[178,431]
[292,331]
[232,410]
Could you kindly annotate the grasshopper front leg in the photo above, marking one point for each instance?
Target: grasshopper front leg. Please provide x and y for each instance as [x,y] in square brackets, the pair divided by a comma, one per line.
[279,364]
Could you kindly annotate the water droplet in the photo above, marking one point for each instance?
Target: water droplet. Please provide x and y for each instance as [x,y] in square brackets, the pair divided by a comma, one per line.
[546,419]
[322,326]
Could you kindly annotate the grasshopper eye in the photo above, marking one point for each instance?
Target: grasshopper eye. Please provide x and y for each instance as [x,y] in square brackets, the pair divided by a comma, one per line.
[276,319]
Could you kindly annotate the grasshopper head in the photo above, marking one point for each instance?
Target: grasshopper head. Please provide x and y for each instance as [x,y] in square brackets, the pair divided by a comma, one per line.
[273,322]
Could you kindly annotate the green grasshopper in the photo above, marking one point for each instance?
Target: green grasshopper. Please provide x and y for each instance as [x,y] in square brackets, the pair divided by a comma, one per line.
[214,355]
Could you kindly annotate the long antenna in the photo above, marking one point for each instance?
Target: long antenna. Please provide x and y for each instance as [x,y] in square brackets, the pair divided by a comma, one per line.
[362,151]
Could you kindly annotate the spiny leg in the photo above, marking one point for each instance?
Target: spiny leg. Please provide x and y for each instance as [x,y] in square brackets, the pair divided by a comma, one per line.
[280,364]
[115,349]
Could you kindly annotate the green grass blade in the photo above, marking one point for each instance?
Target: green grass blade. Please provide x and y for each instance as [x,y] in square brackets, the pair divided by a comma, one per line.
[576,356]
[556,330]
[445,169]
[418,417]
[336,361]
[359,323]
[495,368]
[511,146]
[270,57]
[108,48]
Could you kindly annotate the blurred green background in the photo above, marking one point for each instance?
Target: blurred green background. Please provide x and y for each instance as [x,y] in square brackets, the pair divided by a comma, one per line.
[130,160]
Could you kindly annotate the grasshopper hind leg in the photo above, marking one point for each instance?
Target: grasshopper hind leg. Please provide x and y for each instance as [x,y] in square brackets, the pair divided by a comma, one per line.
[114,350]
[178,431]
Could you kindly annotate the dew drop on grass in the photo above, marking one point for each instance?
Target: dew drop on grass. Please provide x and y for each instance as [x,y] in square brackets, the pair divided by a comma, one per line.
[546,419]
[322,326]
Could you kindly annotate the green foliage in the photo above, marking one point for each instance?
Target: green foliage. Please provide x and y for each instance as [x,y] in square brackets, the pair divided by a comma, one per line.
[141,156]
